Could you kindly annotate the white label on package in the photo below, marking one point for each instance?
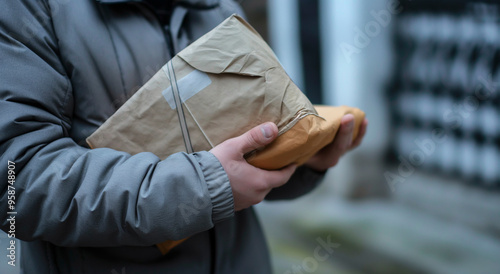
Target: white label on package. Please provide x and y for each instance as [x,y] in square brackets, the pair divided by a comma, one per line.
[188,86]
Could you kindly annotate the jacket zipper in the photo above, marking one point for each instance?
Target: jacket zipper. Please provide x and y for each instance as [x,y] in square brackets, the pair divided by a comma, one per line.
[165,26]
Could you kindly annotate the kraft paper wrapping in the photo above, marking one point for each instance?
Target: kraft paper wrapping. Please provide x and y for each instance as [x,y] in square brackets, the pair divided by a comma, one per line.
[228,81]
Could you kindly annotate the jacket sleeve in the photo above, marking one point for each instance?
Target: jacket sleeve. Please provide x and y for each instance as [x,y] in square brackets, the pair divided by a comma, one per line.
[73,196]
[303,181]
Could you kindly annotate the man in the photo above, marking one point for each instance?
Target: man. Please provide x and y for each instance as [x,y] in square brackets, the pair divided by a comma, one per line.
[67,66]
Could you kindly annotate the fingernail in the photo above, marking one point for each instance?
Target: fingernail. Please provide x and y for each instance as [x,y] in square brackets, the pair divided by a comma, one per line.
[267,131]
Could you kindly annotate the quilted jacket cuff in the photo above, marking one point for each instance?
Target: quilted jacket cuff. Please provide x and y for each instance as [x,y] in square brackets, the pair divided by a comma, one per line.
[218,185]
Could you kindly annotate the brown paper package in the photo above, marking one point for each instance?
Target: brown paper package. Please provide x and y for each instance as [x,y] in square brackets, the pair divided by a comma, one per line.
[226,82]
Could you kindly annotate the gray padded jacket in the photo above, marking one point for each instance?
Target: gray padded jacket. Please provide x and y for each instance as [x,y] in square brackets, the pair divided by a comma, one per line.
[65,67]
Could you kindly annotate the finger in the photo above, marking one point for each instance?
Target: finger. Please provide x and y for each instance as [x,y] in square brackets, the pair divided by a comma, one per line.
[255,138]
[361,134]
[343,140]
[276,178]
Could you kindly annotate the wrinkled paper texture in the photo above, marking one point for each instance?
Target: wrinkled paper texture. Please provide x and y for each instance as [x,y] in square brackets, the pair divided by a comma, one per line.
[229,81]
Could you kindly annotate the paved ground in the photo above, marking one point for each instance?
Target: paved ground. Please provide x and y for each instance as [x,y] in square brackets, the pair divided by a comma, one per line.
[374,237]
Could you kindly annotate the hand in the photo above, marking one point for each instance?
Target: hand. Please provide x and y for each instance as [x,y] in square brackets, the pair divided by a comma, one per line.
[329,155]
[250,184]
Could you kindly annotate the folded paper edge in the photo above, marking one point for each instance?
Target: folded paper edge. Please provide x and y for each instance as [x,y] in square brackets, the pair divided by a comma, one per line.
[261,158]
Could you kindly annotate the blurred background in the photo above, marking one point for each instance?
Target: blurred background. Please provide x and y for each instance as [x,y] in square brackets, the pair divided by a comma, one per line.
[422,193]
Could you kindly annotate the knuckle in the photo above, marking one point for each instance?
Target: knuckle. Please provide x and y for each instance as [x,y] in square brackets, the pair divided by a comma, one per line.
[261,186]
[285,179]
[253,139]
[256,199]
[334,162]
[259,183]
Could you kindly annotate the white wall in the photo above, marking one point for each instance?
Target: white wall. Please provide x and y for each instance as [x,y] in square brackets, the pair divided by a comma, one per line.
[284,36]
[356,71]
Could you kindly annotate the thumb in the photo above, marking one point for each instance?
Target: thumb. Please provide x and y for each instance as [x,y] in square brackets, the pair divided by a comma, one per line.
[257,137]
